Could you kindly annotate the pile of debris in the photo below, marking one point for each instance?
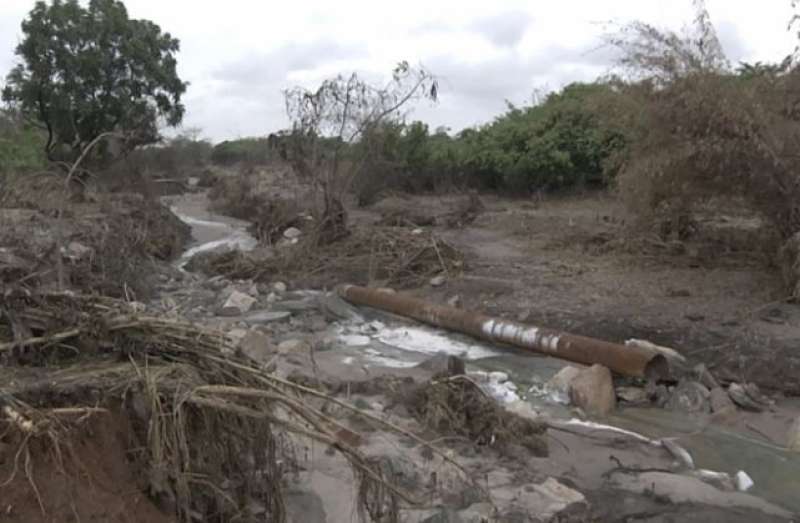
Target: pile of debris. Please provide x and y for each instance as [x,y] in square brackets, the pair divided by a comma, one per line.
[385,256]
[206,433]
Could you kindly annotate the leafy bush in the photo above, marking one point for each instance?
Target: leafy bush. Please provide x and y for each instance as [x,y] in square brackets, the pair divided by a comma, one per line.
[255,151]
[21,145]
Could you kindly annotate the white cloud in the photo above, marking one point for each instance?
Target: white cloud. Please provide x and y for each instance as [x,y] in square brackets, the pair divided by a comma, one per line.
[239,54]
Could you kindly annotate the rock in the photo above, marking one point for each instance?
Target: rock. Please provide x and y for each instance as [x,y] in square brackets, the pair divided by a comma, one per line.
[292,233]
[306,304]
[256,346]
[690,397]
[554,501]
[438,281]
[336,308]
[721,404]
[740,397]
[679,453]
[236,335]
[593,391]
[264,317]
[444,365]
[279,287]
[702,374]
[293,345]
[633,395]
[76,251]
[658,394]
[743,481]
[793,437]
[445,515]
[239,301]
[478,513]
[559,385]
[454,301]
[720,480]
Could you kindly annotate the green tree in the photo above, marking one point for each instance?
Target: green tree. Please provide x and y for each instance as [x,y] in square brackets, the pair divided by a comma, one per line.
[86,71]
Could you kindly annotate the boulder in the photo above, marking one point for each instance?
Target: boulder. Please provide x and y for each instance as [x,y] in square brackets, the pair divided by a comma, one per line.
[593,391]
[739,395]
[690,397]
[239,302]
[559,385]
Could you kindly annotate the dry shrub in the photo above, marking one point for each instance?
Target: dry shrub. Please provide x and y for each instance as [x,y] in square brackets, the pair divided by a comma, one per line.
[456,406]
[270,215]
[211,433]
[698,129]
[381,256]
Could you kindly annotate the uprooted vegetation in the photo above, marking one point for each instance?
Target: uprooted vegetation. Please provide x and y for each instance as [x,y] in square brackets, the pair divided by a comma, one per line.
[390,256]
[206,434]
[106,245]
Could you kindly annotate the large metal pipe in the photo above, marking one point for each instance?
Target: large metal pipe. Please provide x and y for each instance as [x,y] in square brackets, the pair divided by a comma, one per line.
[632,361]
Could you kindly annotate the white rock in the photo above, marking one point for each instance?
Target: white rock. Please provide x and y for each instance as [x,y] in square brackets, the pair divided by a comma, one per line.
[417,232]
[438,281]
[293,345]
[279,287]
[292,233]
[239,301]
[743,481]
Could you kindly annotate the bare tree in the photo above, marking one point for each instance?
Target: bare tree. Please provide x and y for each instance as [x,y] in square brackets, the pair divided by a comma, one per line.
[340,113]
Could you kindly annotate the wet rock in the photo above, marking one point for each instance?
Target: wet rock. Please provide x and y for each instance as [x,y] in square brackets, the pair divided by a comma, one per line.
[292,233]
[793,437]
[721,404]
[293,345]
[704,376]
[279,287]
[740,397]
[256,346]
[720,480]
[633,395]
[444,365]
[690,397]
[438,281]
[560,384]
[593,391]
[679,453]
[743,481]
[265,317]
[336,308]
[238,302]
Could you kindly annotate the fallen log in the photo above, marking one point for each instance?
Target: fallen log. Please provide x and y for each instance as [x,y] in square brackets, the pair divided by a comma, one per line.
[634,361]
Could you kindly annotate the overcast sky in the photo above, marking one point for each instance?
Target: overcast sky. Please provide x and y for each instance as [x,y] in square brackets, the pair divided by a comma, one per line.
[239,54]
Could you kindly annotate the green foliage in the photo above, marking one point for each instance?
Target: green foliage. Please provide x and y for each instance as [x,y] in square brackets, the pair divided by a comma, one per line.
[559,143]
[182,155]
[85,71]
[255,151]
[20,145]
[562,142]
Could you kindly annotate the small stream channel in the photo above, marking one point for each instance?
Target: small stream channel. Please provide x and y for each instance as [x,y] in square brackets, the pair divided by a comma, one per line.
[514,377]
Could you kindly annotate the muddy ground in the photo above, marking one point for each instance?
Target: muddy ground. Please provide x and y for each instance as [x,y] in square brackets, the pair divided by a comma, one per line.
[563,262]
[572,263]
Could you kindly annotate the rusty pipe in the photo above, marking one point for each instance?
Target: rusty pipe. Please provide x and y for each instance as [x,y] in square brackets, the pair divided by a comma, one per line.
[632,361]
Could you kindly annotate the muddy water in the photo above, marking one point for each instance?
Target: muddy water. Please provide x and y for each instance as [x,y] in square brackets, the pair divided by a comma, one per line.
[512,377]
[210,231]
